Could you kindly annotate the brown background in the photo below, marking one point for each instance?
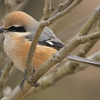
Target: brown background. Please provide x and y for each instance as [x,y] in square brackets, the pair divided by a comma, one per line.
[84,85]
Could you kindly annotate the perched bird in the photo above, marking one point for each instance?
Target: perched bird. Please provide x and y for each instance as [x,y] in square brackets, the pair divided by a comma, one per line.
[19,29]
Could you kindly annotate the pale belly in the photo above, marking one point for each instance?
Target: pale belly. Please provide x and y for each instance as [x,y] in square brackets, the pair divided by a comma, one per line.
[12,49]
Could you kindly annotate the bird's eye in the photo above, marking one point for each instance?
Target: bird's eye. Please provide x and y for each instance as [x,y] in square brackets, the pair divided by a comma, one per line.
[17,29]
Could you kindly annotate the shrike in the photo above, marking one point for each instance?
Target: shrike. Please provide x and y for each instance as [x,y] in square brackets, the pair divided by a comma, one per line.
[19,29]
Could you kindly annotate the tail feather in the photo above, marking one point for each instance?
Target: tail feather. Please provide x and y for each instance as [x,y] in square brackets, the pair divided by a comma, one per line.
[83,60]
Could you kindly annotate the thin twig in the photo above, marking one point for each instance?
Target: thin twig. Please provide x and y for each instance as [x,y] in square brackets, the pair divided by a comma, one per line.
[86,48]
[91,37]
[5,75]
[93,19]
[12,5]
[95,56]
[62,7]
[47,9]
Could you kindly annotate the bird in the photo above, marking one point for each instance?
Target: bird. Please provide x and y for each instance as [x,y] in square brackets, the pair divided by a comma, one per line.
[18,29]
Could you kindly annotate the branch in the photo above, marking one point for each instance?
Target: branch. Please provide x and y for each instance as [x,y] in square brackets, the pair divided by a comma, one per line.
[62,70]
[47,9]
[61,54]
[3,61]
[62,7]
[95,56]
[12,5]
[93,19]
[5,75]
[86,48]
[65,11]
[92,39]
[29,68]
[88,38]
[53,77]
[5,98]
[97,25]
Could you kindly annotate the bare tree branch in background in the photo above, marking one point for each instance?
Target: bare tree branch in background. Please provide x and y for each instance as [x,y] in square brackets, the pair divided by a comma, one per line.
[95,56]
[5,75]
[62,6]
[13,5]
[86,48]
[47,9]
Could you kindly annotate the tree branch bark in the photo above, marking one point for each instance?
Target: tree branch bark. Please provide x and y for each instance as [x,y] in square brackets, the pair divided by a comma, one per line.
[62,7]
[59,73]
[5,75]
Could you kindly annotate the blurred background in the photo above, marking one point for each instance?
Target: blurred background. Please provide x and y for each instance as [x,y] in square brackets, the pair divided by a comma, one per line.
[84,85]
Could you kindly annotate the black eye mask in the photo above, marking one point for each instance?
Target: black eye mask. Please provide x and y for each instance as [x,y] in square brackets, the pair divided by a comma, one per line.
[16,29]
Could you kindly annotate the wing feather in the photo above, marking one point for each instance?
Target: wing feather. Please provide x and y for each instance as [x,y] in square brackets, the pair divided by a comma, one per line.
[47,38]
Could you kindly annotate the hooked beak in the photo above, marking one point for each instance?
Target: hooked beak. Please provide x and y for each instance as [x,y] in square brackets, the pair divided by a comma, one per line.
[1,29]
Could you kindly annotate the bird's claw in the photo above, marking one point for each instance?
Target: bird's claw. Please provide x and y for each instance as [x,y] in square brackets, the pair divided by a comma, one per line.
[21,84]
[35,84]
[25,77]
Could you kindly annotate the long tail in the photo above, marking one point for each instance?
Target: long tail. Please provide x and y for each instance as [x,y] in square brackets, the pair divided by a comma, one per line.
[83,60]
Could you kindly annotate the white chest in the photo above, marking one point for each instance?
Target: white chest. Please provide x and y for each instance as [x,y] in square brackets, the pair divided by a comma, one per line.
[11,49]
[9,46]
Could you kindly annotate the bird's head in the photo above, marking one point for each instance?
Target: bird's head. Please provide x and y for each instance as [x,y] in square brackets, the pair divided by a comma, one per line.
[18,21]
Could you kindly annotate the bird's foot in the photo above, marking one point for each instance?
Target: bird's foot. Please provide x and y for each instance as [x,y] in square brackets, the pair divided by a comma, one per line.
[25,77]
[35,84]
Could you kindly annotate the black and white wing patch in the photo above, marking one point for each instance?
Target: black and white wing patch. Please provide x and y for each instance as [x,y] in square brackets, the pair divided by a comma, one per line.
[47,38]
[52,44]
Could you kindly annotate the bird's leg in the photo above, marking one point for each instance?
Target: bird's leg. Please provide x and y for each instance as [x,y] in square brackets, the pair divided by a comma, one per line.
[25,74]
[35,84]
[25,77]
